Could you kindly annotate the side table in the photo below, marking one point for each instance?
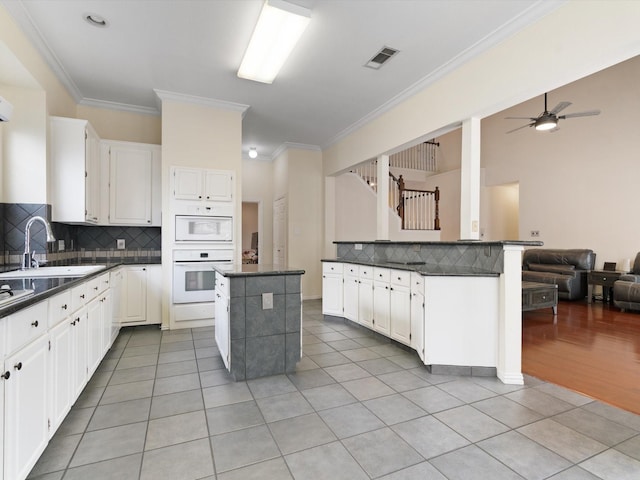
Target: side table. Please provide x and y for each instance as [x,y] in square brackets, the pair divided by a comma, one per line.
[605,279]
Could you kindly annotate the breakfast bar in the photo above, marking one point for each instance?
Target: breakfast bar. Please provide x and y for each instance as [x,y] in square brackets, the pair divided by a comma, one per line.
[258,312]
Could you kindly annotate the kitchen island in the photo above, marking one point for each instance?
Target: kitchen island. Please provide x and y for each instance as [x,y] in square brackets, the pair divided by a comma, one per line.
[258,311]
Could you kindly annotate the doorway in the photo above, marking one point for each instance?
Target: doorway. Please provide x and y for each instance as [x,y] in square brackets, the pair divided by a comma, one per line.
[250,232]
[280,232]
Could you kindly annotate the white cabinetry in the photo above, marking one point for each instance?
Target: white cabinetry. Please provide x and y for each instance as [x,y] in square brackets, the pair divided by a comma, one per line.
[223,330]
[99,319]
[134,183]
[381,300]
[25,377]
[141,293]
[350,292]
[417,314]
[74,150]
[365,296]
[332,289]
[400,302]
[202,184]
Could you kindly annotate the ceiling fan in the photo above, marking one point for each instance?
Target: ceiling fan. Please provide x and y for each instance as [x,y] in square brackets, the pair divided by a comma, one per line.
[548,120]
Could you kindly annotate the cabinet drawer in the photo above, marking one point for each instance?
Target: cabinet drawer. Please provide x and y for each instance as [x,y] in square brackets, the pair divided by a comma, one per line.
[331,267]
[93,288]
[381,274]
[78,297]
[104,281]
[26,325]
[59,307]
[417,283]
[366,273]
[350,269]
[402,278]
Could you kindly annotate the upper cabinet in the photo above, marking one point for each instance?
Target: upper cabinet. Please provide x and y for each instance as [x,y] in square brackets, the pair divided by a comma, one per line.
[134,183]
[103,182]
[75,171]
[203,184]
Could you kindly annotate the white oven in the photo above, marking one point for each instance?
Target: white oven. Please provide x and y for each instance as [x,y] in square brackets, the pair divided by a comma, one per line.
[193,228]
[194,274]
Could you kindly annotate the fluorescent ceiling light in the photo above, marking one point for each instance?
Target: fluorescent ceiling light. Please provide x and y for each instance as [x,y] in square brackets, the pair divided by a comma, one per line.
[278,29]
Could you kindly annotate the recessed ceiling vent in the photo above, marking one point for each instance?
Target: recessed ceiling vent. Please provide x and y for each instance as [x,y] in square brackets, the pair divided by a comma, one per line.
[382,57]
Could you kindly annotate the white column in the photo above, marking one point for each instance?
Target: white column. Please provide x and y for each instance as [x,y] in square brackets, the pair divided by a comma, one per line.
[470,180]
[329,250]
[509,368]
[383,198]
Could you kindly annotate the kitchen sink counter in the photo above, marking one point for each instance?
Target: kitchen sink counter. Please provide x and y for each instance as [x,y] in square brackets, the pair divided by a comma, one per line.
[47,286]
[425,269]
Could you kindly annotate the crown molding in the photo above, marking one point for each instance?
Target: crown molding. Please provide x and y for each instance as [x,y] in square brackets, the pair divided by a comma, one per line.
[526,18]
[294,146]
[164,95]
[125,107]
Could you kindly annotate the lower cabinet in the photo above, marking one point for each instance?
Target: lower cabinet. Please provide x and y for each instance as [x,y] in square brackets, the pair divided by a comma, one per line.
[94,335]
[350,300]
[417,314]
[140,295]
[365,301]
[400,306]
[223,329]
[381,307]
[61,371]
[26,407]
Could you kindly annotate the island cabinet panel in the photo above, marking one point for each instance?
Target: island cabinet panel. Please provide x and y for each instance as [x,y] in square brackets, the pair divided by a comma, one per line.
[332,289]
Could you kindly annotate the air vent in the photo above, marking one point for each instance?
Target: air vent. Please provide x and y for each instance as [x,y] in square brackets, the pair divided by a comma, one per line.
[382,57]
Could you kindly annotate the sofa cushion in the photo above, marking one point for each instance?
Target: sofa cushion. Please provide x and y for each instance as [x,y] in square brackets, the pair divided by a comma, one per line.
[563,281]
[545,267]
[581,259]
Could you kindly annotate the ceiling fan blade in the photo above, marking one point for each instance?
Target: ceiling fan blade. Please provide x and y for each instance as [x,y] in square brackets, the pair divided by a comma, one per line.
[523,126]
[521,118]
[588,113]
[561,106]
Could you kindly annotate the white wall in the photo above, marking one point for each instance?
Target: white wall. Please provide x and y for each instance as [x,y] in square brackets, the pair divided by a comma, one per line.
[499,213]
[355,211]
[577,186]
[24,147]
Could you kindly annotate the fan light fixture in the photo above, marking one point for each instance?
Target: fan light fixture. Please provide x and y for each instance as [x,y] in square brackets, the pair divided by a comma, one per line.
[279,28]
[546,122]
[253,153]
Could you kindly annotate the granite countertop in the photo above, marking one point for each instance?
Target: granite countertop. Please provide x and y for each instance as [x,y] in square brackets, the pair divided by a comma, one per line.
[425,269]
[47,287]
[253,269]
[526,243]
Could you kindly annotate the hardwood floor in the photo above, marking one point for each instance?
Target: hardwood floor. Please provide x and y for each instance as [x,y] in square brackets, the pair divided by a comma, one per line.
[592,349]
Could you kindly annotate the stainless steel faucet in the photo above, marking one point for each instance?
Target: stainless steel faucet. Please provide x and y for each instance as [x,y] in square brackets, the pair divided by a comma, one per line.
[28,258]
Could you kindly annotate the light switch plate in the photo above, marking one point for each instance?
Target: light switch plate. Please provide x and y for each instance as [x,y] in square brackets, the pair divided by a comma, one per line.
[267,301]
[120,243]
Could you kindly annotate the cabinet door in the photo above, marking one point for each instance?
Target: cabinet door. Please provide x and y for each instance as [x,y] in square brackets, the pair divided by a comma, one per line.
[61,373]
[130,184]
[26,408]
[332,294]
[365,302]
[94,335]
[417,323]
[218,186]
[400,326]
[79,352]
[187,184]
[350,298]
[154,294]
[381,307]
[134,295]
[222,330]
[106,317]
[92,176]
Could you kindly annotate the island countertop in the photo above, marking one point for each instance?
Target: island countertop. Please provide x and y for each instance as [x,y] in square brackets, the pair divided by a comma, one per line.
[254,269]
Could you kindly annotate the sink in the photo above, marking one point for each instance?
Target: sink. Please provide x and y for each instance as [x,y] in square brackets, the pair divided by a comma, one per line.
[57,271]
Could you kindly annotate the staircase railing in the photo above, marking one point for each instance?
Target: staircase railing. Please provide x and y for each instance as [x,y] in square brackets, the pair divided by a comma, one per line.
[418,209]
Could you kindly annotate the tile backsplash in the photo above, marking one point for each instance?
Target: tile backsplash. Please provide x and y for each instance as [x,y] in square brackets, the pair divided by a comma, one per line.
[82,243]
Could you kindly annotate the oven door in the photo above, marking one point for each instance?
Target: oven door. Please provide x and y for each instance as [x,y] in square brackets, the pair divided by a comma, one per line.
[194,282]
[191,228]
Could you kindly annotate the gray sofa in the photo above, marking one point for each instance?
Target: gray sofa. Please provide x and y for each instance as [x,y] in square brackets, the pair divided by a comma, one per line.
[567,268]
[626,290]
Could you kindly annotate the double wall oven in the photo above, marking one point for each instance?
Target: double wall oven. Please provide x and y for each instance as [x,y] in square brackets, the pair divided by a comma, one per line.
[194,274]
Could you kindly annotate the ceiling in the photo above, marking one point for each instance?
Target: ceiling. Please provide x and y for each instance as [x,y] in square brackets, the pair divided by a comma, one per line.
[194,47]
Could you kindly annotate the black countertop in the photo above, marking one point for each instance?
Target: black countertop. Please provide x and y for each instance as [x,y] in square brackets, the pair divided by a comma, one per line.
[47,287]
[425,269]
[253,269]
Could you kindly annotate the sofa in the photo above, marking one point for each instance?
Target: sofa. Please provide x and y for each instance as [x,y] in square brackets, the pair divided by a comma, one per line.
[626,290]
[567,268]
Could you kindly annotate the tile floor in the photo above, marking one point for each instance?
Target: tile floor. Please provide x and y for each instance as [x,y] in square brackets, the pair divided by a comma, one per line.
[161,407]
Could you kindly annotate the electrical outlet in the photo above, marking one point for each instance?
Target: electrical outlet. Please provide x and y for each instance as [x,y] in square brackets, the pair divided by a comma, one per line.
[535,233]
[357,246]
[267,301]
[120,244]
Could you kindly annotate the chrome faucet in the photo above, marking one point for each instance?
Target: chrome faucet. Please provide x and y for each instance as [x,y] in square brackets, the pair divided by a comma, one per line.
[28,258]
